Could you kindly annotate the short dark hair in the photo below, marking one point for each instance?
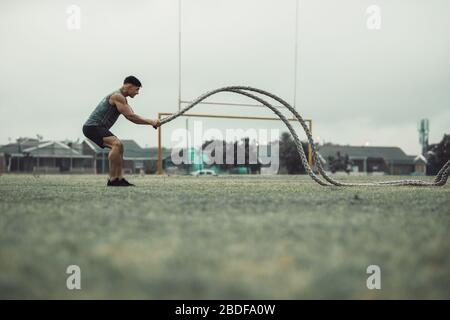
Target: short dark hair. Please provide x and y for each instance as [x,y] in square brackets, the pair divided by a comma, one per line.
[132,80]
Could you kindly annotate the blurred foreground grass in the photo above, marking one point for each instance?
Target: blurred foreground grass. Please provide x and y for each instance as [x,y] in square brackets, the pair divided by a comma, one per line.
[226,237]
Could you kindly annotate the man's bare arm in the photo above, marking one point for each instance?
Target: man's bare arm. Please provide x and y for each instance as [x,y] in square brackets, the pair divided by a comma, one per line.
[123,107]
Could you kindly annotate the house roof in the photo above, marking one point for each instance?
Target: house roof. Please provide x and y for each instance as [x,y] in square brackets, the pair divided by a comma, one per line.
[32,147]
[18,147]
[420,158]
[392,154]
[53,149]
[133,151]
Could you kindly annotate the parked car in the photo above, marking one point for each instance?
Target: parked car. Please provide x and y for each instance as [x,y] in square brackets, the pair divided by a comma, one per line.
[205,172]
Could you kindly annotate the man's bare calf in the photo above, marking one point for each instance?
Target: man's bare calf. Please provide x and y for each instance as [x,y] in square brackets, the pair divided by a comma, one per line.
[115,157]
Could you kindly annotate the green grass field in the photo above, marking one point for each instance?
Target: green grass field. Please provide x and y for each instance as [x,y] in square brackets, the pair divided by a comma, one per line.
[240,237]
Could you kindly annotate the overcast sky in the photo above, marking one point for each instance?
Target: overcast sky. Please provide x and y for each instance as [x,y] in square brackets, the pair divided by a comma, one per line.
[358,85]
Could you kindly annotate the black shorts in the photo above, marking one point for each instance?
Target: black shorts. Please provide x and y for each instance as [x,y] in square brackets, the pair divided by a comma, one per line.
[96,134]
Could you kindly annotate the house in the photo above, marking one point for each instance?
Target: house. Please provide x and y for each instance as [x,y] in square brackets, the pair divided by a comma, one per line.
[135,158]
[387,160]
[32,155]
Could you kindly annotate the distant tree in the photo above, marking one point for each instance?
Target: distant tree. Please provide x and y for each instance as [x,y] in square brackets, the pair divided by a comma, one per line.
[232,148]
[340,163]
[289,157]
[438,155]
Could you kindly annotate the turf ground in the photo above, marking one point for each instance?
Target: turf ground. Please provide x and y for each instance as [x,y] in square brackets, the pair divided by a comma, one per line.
[241,237]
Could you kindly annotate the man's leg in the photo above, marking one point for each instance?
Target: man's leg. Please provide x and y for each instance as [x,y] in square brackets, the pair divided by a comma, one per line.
[115,157]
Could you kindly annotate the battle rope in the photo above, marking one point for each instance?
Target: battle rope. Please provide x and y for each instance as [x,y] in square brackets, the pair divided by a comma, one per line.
[440,179]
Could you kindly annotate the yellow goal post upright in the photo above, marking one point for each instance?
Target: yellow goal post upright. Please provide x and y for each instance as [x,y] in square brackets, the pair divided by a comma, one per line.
[217,116]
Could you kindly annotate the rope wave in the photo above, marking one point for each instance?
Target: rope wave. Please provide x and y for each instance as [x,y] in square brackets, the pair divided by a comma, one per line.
[325,179]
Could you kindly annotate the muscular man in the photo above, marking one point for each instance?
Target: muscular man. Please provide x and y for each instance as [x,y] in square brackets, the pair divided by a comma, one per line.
[97,126]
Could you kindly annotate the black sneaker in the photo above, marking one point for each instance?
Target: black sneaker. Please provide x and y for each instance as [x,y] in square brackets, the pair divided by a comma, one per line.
[124,183]
[113,183]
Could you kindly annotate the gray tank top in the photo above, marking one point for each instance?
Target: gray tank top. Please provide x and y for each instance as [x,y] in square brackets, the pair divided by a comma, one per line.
[105,114]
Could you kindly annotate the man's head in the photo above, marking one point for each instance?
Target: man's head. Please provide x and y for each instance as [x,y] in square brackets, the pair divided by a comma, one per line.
[131,86]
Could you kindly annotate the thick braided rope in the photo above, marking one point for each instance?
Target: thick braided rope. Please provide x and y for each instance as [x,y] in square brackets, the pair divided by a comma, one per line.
[297,142]
[440,179]
[316,159]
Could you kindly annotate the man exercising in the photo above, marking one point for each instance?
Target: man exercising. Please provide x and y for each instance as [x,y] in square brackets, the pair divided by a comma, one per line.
[97,126]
